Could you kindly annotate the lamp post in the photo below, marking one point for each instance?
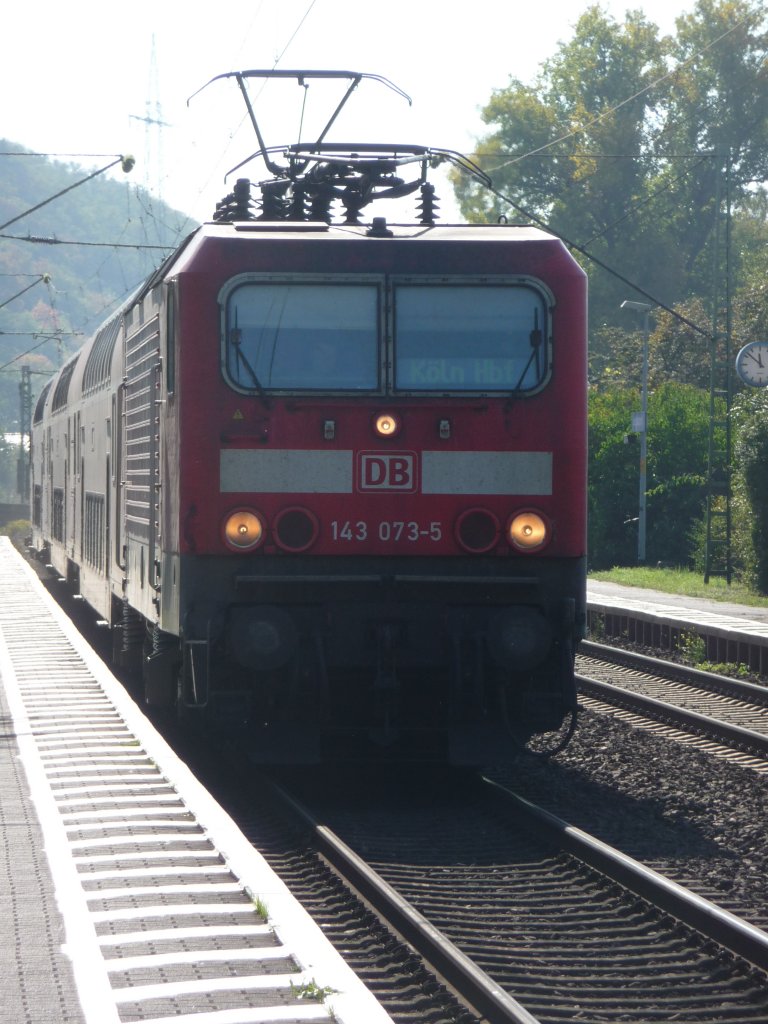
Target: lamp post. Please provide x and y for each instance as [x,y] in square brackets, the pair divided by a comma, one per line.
[644,308]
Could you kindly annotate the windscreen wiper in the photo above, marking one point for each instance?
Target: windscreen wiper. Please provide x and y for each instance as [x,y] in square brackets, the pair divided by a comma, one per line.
[236,340]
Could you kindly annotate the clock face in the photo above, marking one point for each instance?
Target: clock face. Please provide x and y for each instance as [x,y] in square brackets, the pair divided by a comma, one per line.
[752,364]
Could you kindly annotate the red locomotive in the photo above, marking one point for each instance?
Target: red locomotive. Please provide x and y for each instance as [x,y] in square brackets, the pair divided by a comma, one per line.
[328,480]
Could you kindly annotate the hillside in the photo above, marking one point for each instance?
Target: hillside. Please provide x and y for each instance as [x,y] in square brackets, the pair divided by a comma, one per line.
[97,242]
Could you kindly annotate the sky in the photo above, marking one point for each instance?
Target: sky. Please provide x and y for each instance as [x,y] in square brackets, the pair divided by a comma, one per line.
[83,77]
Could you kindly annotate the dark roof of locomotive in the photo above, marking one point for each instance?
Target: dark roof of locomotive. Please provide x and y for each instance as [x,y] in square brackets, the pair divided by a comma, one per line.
[310,232]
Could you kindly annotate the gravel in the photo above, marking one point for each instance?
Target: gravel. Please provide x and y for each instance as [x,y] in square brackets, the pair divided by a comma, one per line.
[691,815]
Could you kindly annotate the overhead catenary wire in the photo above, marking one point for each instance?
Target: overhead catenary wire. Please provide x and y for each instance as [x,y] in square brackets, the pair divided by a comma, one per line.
[58,156]
[127,163]
[534,218]
[277,60]
[634,207]
[41,277]
[51,336]
[45,240]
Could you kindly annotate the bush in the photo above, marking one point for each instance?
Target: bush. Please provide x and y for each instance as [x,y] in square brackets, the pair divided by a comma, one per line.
[750,484]
[18,530]
[678,431]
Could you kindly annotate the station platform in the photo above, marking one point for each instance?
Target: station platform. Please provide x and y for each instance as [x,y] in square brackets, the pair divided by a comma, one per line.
[126,892]
[731,632]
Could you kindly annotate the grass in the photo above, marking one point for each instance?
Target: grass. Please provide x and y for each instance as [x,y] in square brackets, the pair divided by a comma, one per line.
[691,648]
[261,907]
[682,581]
[311,990]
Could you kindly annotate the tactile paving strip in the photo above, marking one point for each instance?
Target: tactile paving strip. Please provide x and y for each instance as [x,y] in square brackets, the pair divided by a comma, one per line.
[161,924]
[36,981]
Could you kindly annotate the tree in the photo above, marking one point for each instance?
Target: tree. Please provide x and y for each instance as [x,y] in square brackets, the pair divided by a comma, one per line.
[620,144]
[677,352]
[716,102]
[9,455]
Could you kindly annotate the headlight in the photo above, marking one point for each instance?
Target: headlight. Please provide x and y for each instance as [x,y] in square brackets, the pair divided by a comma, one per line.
[527,531]
[243,530]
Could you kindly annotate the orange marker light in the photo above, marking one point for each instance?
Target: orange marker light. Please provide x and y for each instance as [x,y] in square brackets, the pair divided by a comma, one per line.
[387,425]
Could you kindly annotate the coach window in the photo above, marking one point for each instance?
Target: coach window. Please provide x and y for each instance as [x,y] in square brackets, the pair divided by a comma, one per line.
[470,338]
[302,337]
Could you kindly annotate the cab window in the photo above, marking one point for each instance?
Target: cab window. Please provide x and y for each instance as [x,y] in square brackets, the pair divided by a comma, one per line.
[470,338]
[302,337]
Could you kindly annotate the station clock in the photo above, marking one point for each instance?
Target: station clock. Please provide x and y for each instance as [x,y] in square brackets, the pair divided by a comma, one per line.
[752,364]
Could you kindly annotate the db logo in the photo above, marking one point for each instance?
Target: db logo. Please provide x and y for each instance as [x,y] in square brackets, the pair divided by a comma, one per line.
[390,471]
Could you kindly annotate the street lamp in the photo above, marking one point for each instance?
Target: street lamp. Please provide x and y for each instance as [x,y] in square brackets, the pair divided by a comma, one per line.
[642,423]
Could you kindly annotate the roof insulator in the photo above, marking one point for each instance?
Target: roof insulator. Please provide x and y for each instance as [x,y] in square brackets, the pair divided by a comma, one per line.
[237,205]
[379,229]
[429,204]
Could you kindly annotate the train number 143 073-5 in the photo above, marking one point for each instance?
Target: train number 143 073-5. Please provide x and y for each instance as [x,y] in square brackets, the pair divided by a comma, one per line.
[386,531]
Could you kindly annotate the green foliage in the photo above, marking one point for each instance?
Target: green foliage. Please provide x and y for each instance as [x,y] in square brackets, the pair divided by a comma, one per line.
[312,991]
[613,478]
[676,352]
[693,648]
[624,158]
[18,530]
[261,907]
[750,483]
[678,424]
[9,457]
[681,581]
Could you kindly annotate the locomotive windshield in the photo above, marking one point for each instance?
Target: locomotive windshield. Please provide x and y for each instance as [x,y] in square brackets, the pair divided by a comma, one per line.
[297,337]
[469,338]
[440,336]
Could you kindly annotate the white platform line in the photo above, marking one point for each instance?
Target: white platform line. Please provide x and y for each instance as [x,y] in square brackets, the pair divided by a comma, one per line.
[83,821]
[108,801]
[174,989]
[105,776]
[138,840]
[166,910]
[192,889]
[255,1015]
[107,784]
[210,931]
[102,876]
[257,954]
[100,858]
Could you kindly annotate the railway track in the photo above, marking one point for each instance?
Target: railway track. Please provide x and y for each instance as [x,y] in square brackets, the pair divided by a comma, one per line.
[723,715]
[526,918]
